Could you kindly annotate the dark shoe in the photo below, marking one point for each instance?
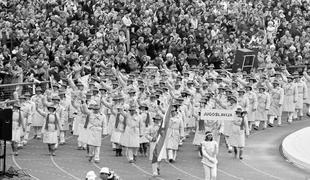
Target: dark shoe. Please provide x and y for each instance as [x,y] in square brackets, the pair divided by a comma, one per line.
[158,171]
[116,152]
[240,157]
[270,125]
[90,158]
[255,128]
[171,160]
[131,161]
[308,114]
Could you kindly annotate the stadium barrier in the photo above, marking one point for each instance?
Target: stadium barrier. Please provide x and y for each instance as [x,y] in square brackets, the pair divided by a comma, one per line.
[12,91]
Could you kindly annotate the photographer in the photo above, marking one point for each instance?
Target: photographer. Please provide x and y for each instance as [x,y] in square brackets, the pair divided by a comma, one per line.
[106,174]
[239,130]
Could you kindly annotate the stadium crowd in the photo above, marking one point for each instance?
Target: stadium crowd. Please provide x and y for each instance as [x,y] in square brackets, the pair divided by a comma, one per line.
[58,37]
[114,67]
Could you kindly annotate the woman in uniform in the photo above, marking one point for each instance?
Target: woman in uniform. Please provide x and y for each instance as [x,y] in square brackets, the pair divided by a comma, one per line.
[276,102]
[239,130]
[290,98]
[175,132]
[50,127]
[263,106]
[252,97]
[17,127]
[145,122]
[301,97]
[117,122]
[80,119]
[131,136]
[38,120]
[64,121]
[95,124]
[232,105]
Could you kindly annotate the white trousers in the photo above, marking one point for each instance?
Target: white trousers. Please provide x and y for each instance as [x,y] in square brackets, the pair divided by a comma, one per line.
[95,151]
[210,172]
[172,154]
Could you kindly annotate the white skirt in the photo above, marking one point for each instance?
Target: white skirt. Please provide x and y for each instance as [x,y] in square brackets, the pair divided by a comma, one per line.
[94,136]
[116,136]
[50,137]
[130,138]
[82,133]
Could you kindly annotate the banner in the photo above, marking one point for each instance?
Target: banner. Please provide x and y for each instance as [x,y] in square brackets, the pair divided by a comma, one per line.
[218,114]
[159,152]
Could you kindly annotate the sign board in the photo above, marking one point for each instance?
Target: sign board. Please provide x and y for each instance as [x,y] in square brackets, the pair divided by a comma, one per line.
[245,59]
[218,115]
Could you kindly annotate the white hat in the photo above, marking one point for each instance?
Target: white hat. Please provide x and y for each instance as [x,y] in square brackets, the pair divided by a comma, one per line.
[169,55]
[105,170]
[91,175]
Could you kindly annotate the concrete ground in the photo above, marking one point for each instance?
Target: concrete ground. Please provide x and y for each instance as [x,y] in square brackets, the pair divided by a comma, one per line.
[262,160]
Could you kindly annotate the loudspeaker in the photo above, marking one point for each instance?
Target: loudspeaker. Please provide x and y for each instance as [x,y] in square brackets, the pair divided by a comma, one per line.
[6,124]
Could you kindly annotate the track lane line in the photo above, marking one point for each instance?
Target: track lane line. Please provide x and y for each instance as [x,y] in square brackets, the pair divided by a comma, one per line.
[64,171]
[184,172]
[60,168]
[19,167]
[260,171]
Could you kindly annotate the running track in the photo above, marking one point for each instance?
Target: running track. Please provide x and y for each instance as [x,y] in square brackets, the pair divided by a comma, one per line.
[262,161]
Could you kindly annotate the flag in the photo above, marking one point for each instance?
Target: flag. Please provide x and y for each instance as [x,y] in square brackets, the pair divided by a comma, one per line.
[160,147]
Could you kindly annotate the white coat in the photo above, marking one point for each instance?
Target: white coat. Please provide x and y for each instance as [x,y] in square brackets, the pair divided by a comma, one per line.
[38,119]
[277,98]
[301,94]
[174,133]
[290,97]
[130,137]
[252,105]
[263,106]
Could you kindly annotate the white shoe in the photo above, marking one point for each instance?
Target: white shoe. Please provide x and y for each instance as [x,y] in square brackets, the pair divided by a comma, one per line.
[155,174]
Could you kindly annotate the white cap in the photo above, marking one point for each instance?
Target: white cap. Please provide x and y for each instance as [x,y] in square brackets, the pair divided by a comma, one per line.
[105,170]
[169,55]
[91,175]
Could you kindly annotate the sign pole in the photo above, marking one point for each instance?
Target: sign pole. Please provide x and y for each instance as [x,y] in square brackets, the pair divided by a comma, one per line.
[4,158]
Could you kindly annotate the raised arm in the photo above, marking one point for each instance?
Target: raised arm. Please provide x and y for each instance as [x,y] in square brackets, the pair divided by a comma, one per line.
[305,91]
[242,82]
[106,104]
[307,77]
[268,101]
[71,83]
